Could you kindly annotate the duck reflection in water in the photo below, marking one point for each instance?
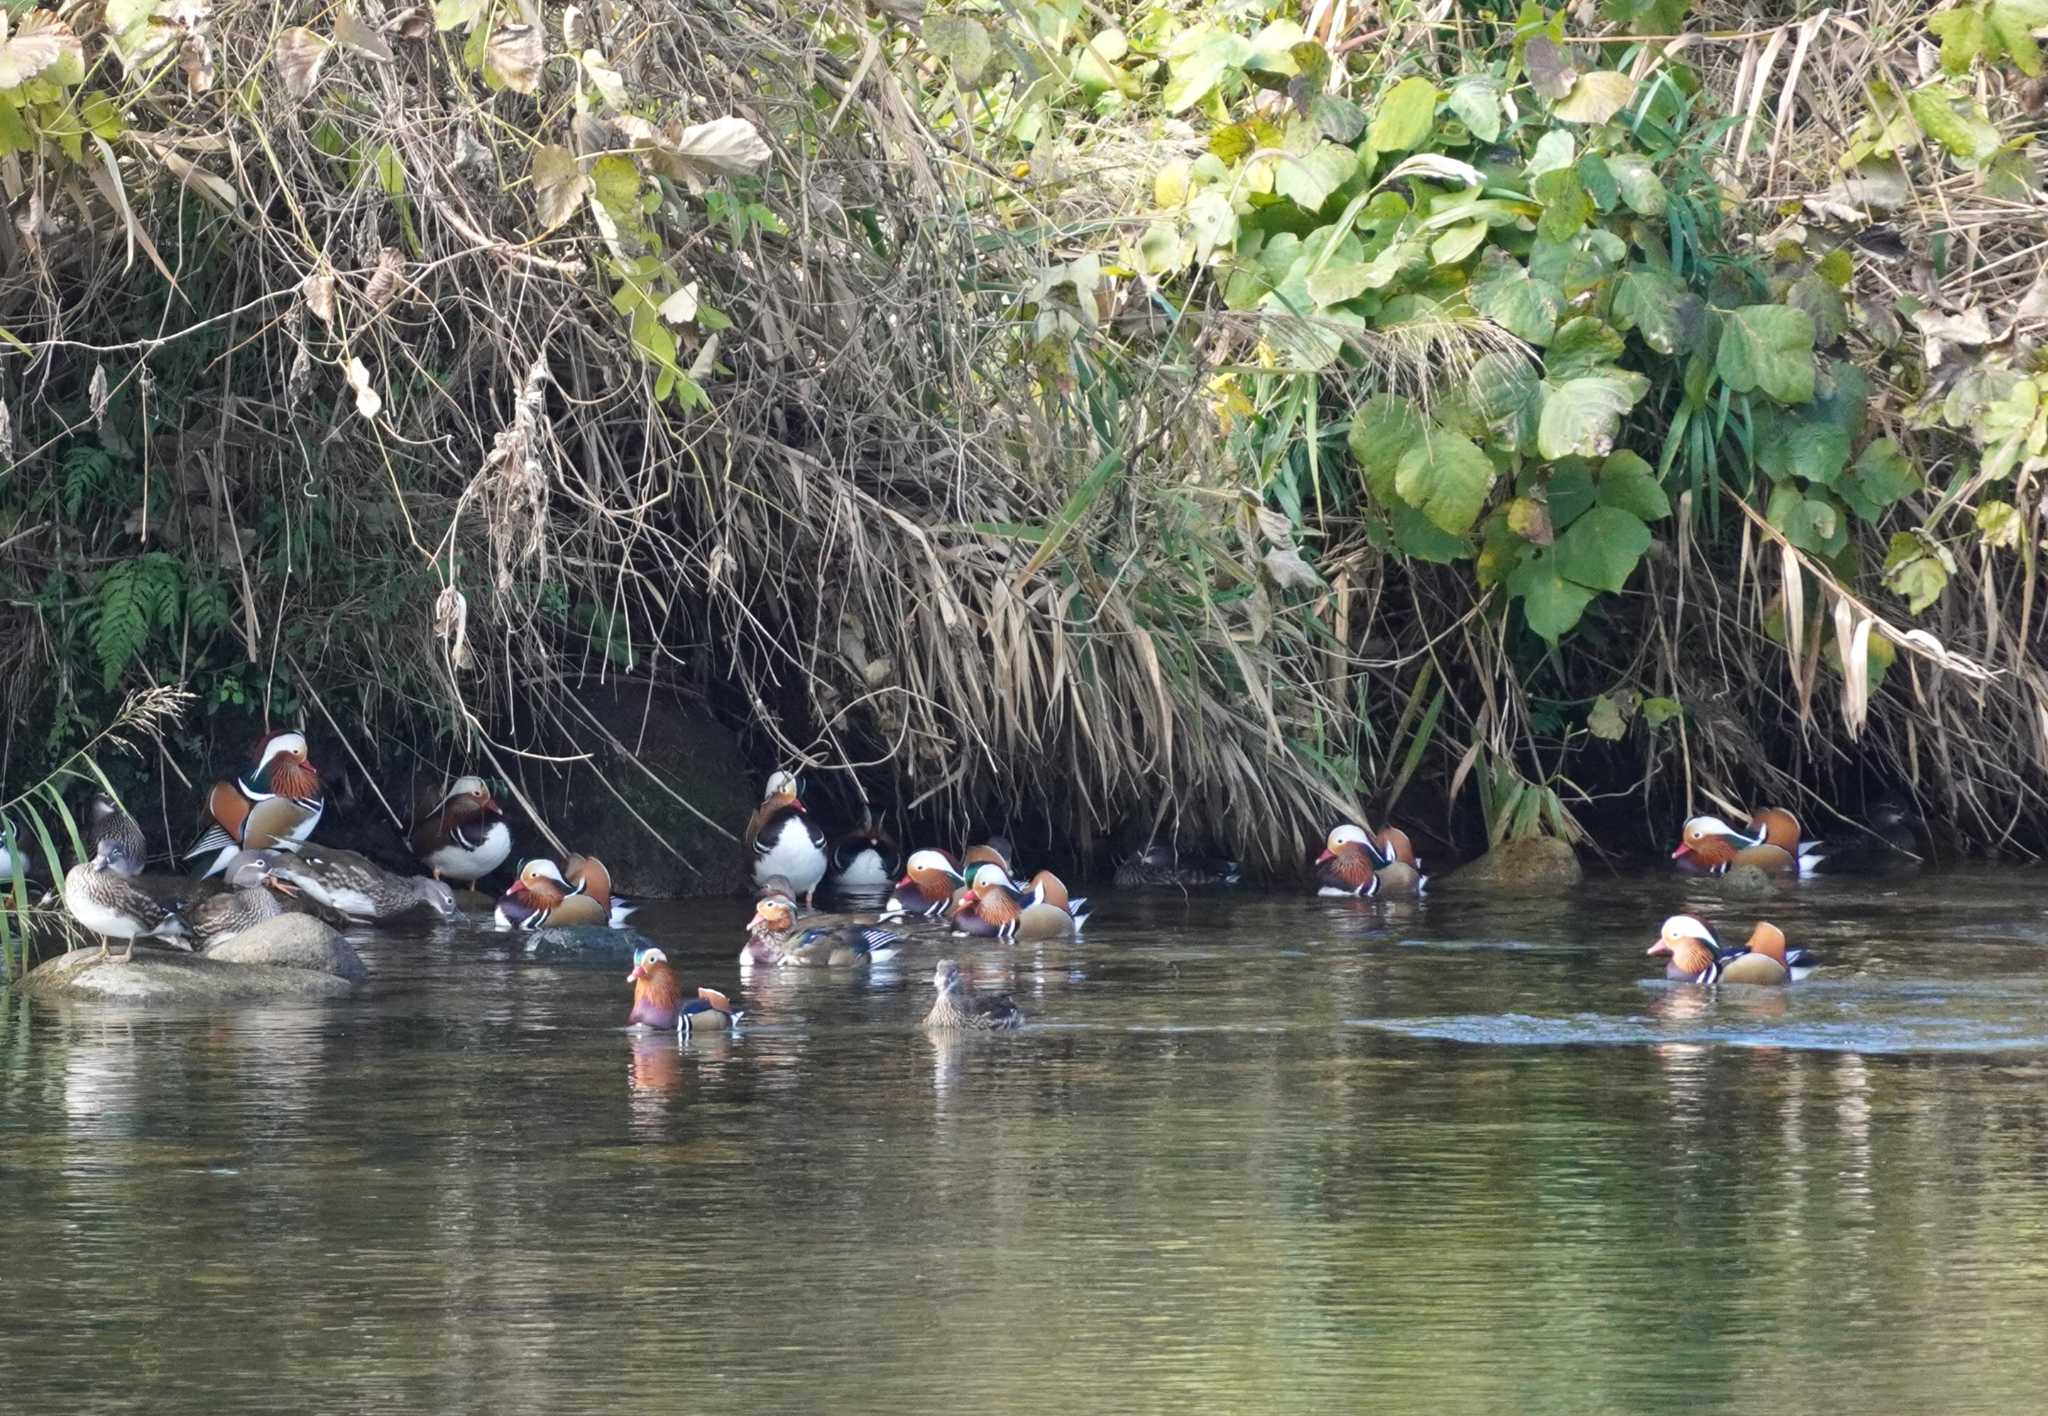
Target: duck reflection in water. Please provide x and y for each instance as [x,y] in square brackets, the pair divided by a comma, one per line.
[657,1065]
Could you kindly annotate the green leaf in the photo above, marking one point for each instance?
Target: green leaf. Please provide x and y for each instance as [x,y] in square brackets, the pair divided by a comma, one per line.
[1768,347]
[1308,180]
[1566,207]
[1596,97]
[1476,101]
[1646,16]
[1627,482]
[1508,397]
[1504,291]
[1659,711]
[2012,24]
[1446,477]
[1457,243]
[1569,491]
[1605,721]
[1601,548]
[1550,603]
[1555,151]
[1961,32]
[1404,118]
[1823,304]
[1196,75]
[1961,130]
[962,42]
[1809,522]
[1582,416]
[1657,305]
[1808,448]
[1999,524]
[1422,539]
[616,183]
[1598,180]
[1581,346]
[1382,431]
[1914,570]
[1882,475]
[1641,188]
[120,620]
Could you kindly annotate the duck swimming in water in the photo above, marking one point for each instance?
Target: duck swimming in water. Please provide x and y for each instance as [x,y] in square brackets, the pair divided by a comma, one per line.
[658,999]
[958,1006]
[930,881]
[993,907]
[1771,843]
[1697,955]
[844,946]
[578,892]
[1355,862]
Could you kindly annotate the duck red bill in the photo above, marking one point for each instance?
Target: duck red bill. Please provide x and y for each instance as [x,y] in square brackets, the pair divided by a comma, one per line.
[1683,850]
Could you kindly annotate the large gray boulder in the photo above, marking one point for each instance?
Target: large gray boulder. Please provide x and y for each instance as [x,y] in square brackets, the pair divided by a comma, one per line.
[159,978]
[1538,865]
[293,941]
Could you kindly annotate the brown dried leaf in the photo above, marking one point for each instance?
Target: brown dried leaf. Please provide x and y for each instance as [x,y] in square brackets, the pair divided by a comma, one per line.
[558,185]
[369,402]
[96,391]
[301,55]
[410,22]
[195,61]
[40,42]
[513,56]
[383,286]
[724,147]
[1550,74]
[317,290]
[351,29]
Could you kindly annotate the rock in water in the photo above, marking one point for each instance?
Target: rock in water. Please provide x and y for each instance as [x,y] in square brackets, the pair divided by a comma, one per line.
[1747,880]
[293,941]
[1534,866]
[158,979]
[595,942]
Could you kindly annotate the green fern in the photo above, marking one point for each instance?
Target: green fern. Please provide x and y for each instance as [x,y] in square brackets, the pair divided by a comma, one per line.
[160,589]
[206,605]
[120,622]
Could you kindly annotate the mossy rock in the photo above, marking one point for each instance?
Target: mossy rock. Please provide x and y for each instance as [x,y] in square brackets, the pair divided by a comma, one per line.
[586,943]
[1747,880]
[675,852]
[158,978]
[1533,866]
[293,941]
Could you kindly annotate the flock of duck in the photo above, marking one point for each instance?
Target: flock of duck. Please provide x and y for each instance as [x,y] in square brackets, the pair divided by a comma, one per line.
[257,841]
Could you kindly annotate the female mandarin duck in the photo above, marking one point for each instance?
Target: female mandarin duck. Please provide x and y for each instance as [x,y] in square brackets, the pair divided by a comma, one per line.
[255,893]
[1697,956]
[1356,863]
[958,1006]
[352,884]
[773,932]
[101,895]
[993,907]
[463,835]
[865,859]
[1164,863]
[844,946]
[105,820]
[930,880]
[658,999]
[577,892]
[278,800]
[1771,844]
[784,840]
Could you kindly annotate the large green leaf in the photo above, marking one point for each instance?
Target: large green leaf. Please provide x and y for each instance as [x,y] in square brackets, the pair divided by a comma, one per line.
[962,42]
[1641,188]
[1882,474]
[1308,180]
[1916,569]
[1419,537]
[1476,101]
[1550,603]
[1596,97]
[1953,120]
[1197,73]
[1581,346]
[1503,290]
[1768,347]
[1404,117]
[1382,431]
[1601,548]
[1809,521]
[1627,482]
[1581,416]
[1801,447]
[1657,305]
[1508,397]
[1445,476]
[1569,490]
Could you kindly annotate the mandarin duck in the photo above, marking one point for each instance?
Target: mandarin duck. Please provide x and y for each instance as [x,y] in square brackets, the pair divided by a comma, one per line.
[255,893]
[658,999]
[930,880]
[1697,956]
[577,892]
[1163,863]
[865,860]
[277,801]
[958,1006]
[844,946]
[785,840]
[100,894]
[773,931]
[1771,843]
[994,851]
[105,820]
[353,885]
[463,835]
[993,907]
[1358,864]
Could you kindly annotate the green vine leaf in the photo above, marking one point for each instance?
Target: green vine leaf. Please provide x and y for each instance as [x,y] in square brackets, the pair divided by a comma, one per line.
[1768,347]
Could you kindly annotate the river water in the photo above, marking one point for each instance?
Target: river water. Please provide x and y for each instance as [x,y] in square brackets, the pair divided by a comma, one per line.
[1262,1152]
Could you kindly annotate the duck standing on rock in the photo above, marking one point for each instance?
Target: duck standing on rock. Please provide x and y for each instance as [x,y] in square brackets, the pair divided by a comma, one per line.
[1697,956]
[105,820]
[277,801]
[1708,845]
[578,892]
[101,895]
[658,999]
[463,835]
[356,886]
[957,1006]
[993,907]
[1356,863]
[785,840]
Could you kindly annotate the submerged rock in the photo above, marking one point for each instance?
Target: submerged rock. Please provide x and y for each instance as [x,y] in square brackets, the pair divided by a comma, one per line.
[293,941]
[1747,880]
[585,941]
[1539,864]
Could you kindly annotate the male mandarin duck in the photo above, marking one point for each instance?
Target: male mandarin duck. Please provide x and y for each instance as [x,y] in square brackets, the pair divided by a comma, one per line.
[844,946]
[785,840]
[958,1006]
[105,820]
[1356,863]
[463,835]
[994,851]
[865,859]
[1697,956]
[1771,844]
[930,880]
[352,884]
[255,893]
[993,907]
[278,800]
[577,892]
[101,895]
[658,999]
